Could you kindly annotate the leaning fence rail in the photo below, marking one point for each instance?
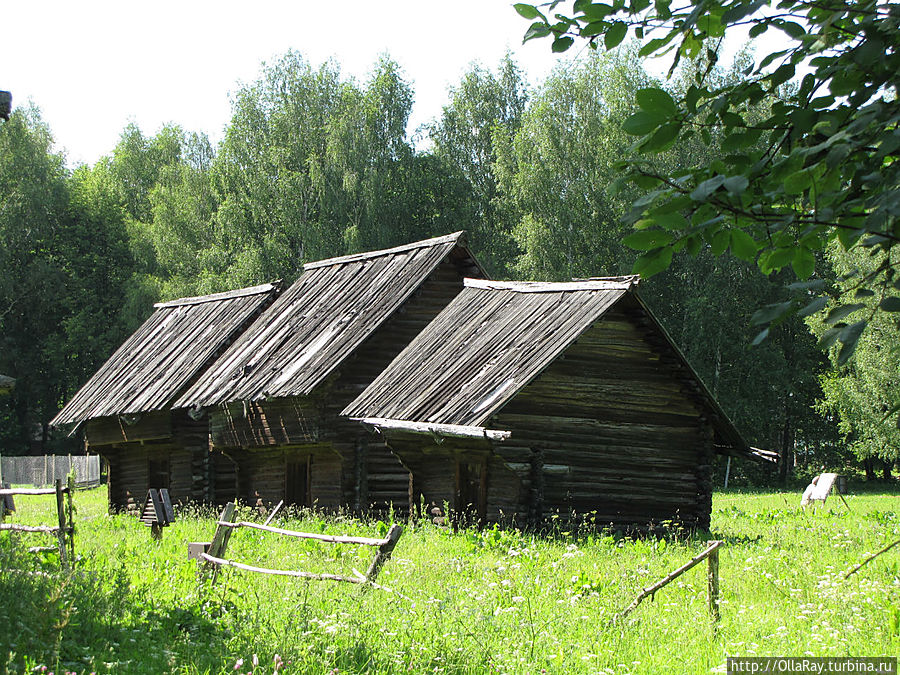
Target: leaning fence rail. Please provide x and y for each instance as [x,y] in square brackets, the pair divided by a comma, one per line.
[213,555]
[64,531]
[711,555]
[43,470]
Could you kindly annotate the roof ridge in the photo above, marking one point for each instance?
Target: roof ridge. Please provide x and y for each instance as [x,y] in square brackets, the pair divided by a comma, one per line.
[594,284]
[456,238]
[213,297]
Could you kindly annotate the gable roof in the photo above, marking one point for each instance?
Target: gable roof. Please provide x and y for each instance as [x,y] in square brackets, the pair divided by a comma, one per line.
[319,321]
[486,346]
[165,354]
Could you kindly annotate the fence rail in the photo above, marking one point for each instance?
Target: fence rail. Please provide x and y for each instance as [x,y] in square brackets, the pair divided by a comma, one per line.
[46,469]
[225,525]
[65,511]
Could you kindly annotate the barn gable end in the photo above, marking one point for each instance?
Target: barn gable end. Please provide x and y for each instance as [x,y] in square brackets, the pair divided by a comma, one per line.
[582,404]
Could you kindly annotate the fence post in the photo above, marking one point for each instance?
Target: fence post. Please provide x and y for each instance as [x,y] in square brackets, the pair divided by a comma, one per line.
[712,578]
[384,552]
[220,540]
[61,533]
[70,511]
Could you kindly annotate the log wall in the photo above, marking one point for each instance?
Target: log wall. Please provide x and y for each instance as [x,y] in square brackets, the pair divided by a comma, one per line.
[183,458]
[613,432]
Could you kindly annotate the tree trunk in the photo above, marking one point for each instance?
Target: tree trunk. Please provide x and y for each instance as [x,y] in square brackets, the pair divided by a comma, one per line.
[887,469]
[869,467]
[786,461]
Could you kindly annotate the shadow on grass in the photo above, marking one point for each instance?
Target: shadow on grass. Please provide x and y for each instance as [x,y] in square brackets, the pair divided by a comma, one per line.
[92,620]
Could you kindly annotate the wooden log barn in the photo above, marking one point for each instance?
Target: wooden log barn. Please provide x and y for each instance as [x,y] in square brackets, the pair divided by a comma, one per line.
[522,400]
[125,409]
[274,397]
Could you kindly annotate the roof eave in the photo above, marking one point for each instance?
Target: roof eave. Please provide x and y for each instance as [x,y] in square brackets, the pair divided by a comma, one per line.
[432,429]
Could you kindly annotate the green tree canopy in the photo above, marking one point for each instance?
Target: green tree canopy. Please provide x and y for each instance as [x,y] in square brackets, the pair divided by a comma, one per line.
[820,166]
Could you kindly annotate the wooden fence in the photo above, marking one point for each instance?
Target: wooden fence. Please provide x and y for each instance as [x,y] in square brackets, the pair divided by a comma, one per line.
[215,550]
[64,531]
[43,470]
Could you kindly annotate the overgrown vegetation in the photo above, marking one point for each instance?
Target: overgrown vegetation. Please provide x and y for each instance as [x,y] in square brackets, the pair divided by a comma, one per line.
[460,602]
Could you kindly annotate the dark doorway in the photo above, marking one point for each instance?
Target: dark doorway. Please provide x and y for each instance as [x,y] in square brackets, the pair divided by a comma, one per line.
[471,490]
[296,481]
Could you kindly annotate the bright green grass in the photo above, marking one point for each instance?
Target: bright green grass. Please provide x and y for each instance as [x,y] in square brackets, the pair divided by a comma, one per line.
[462,602]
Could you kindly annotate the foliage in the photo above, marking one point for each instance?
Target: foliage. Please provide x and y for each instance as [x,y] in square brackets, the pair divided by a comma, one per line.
[555,172]
[65,263]
[477,125]
[818,166]
[463,601]
[863,393]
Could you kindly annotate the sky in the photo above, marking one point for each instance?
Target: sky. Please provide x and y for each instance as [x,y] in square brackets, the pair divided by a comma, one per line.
[96,65]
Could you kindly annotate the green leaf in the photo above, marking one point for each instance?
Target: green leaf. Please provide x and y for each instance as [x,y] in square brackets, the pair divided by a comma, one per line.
[641,123]
[736,185]
[771,313]
[707,187]
[561,44]
[798,182]
[663,137]
[615,34]
[841,312]
[849,337]
[795,30]
[775,259]
[742,245]
[720,241]
[654,99]
[538,29]
[644,240]
[670,221]
[762,335]
[813,307]
[804,263]
[782,74]
[890,304]
[596,11]
[653,262]
[527,11]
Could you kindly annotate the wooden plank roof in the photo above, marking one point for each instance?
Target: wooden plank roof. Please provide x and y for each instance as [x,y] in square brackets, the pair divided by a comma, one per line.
[318,322]
[165,354]
[488,344]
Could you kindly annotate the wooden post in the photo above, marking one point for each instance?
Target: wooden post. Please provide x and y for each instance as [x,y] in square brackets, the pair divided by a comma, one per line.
[384,552]
[712,578]
[220,540]
[70,513]
[61,518]
[274,512]
[727,471]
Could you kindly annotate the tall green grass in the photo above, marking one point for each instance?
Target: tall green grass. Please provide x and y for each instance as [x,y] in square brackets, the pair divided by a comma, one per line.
[492,601]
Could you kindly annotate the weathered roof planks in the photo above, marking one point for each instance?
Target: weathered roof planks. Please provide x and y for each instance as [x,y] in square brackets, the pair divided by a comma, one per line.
[494,339]
[165,354]
[317,323]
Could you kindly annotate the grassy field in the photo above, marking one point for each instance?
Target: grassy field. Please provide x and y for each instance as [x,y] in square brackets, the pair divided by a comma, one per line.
[490,601]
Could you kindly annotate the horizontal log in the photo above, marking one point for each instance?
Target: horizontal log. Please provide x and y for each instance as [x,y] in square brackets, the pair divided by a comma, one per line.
[13,527]
[30,491]
[282,573]
[332,539]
